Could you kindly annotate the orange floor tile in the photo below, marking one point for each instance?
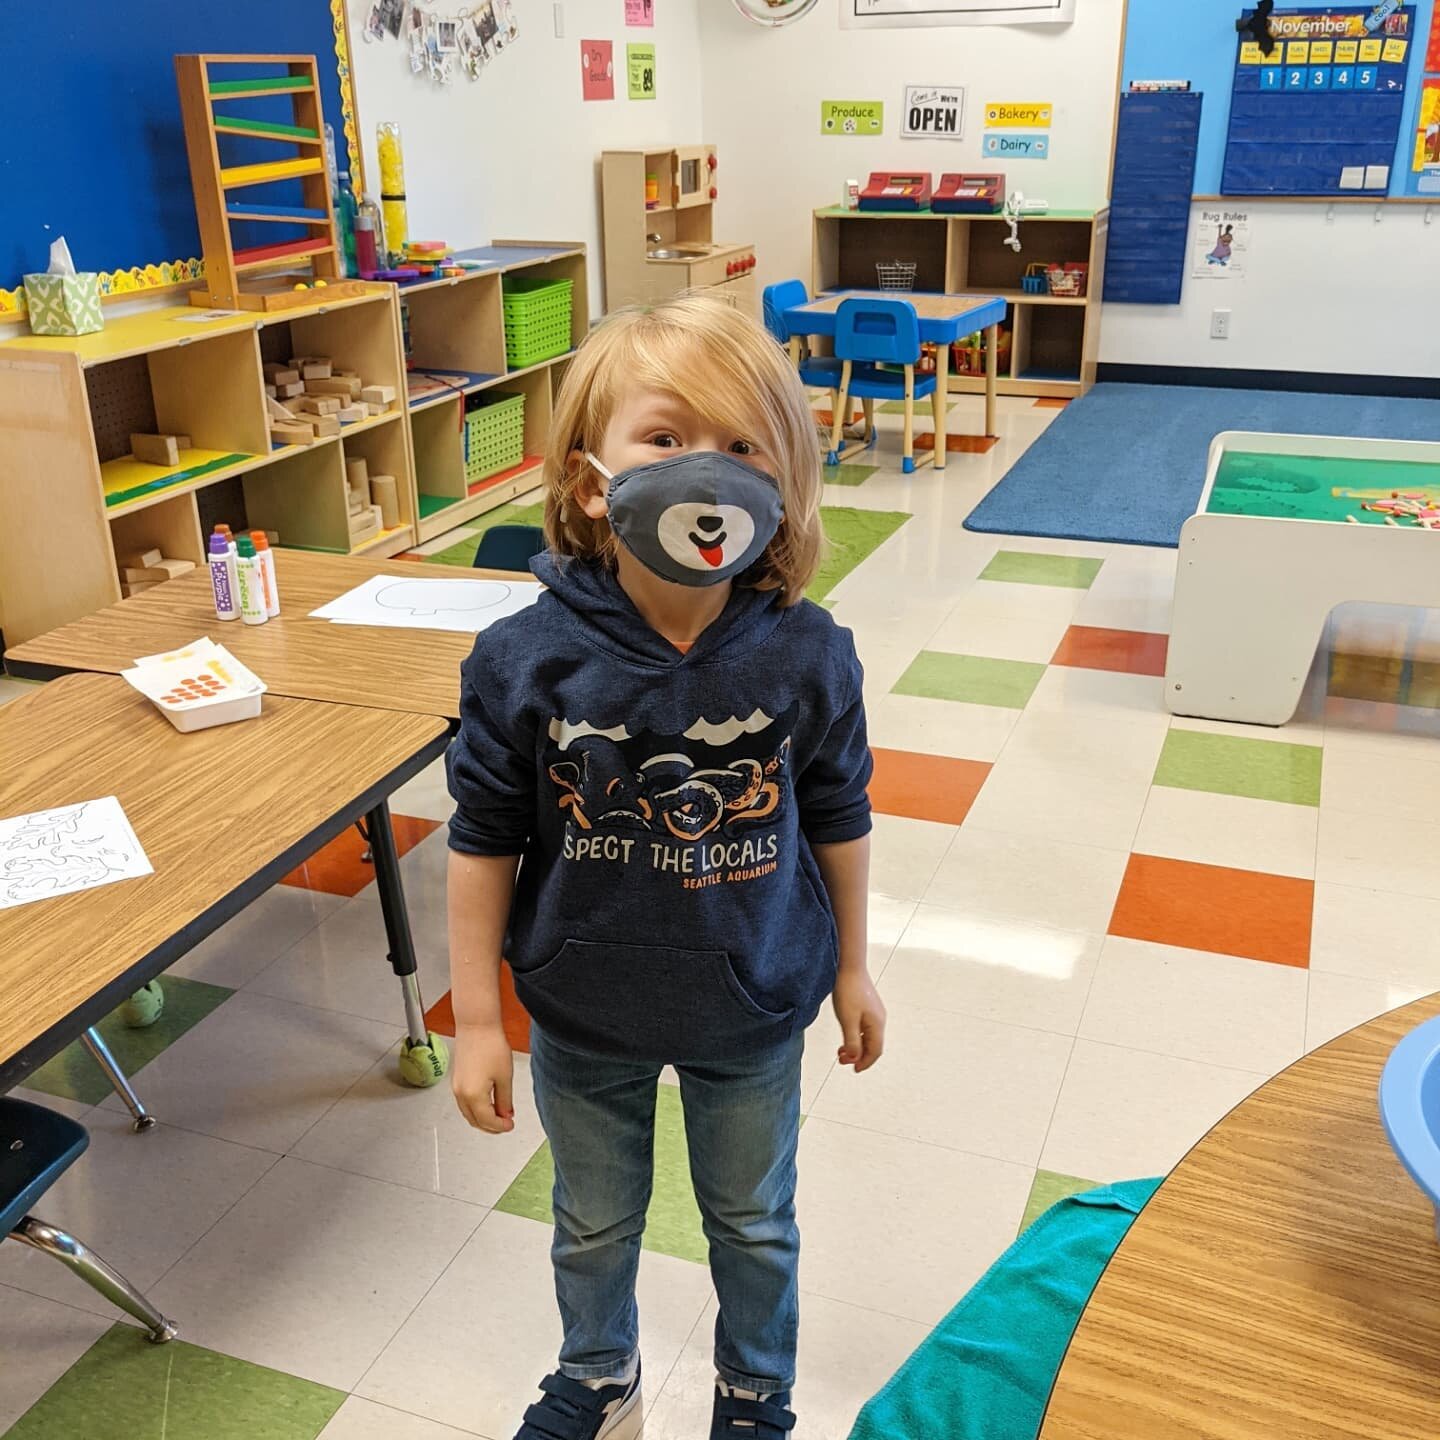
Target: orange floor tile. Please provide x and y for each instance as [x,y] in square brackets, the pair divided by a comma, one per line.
[337,868]
[958,444]
[1132,652]
[827,417]
[440,1017]
[1050,402]
[925,787]
[1210,907]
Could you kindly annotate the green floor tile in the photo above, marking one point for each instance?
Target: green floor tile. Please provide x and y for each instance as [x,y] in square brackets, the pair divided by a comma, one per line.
[463,553]
[1232,765]
[1046,1190]
[672,1226]
[897,407]
[1074,572]
[846,474]
[123,1386]
[853,534]
[73,1075]
[975,679]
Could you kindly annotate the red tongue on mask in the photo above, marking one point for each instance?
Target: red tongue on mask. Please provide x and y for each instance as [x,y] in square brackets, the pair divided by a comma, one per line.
[712,554]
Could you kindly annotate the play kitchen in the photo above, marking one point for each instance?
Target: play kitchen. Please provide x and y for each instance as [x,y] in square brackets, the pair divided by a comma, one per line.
[659,228]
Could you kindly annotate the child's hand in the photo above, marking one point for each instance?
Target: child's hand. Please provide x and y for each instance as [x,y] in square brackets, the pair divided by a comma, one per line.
[481,1072]
[861,1014]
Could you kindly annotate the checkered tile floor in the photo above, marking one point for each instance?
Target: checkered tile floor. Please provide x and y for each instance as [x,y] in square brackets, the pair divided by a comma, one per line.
[1096,928]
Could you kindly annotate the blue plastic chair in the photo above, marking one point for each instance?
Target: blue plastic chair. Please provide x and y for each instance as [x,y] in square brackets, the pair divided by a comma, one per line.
[819,372]
[509,547]
[37,1146]
[1410,1106]
[869,333]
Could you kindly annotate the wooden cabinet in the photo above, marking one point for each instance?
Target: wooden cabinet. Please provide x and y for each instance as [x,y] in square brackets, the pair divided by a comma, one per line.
[1054,340]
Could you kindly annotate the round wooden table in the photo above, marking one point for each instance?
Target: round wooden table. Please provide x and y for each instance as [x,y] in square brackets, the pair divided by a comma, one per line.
[1283,1284]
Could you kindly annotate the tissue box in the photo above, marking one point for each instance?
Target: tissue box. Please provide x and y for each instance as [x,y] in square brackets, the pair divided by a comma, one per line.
[64,304]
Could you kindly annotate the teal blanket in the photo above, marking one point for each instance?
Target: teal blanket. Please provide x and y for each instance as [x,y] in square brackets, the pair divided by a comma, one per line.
[985,1372]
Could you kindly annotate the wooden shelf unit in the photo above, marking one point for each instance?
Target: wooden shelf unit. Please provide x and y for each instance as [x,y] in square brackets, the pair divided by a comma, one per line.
[68,406]
[458,324]
[1055,339]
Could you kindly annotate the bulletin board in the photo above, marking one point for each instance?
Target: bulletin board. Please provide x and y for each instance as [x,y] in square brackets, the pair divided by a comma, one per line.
[1196,41]
[96,151]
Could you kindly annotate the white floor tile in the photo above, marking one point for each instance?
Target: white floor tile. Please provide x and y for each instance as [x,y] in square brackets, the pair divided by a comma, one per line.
[359,1419]
[994,969]
[845,1355]
[904,854]
[477,1346]
[1379,852]
[1048,802]
[1294,732]
[40,1341]
[342,964]
[1101,692]
[419,1138]
[1102,745]
[1341,1002]
[263,931]
[1232,830]
[1376,935]
[260,1071]
[938,727]
[422,872]
[12,689]
[139,1201]
[1052,605]
[426,796]
[1353,780]
[955,1081]
[73,1108]
[1223,1010]
[1048,882]
[1395,732]
[1124,1114]
[1125,609]
[975,629]
[899,1226]
[313,1271]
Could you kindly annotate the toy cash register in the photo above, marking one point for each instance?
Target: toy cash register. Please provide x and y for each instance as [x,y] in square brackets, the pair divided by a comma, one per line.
[891,190]
[970,195]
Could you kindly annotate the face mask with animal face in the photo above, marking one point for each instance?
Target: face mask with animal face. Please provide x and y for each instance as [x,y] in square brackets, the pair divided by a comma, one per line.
[696,519]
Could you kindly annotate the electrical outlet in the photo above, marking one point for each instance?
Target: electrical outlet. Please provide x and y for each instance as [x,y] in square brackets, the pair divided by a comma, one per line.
[559,22]
[1219,324]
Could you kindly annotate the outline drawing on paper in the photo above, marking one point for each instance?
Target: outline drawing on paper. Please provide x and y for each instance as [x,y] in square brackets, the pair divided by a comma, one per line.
[56,852]
[468,596]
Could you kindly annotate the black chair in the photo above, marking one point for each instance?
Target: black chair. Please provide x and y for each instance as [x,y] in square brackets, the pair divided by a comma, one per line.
[37,1146]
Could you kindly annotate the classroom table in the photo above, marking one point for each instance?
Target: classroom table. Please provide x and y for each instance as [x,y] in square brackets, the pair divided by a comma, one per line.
[1283,1283]
[222,814]
[944,319]
[417,671]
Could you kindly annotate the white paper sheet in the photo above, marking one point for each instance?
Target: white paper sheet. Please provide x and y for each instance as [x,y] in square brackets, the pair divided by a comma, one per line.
[1352,177]
[1376,176]
[459,604]
[74,847]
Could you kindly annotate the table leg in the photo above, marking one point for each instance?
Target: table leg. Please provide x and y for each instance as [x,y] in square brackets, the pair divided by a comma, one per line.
[797,350]
[424,1058]
[940,403]
[119,1081]
[992,370]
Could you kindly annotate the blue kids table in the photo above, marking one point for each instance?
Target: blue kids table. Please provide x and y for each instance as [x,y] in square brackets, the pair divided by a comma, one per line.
[944,319]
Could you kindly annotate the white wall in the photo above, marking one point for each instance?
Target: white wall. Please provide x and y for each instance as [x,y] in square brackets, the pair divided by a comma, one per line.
[515,153]
[763,90]
[1345,296]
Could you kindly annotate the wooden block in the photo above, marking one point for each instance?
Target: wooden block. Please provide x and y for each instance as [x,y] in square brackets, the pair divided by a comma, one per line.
[379,515]
[312,367]
[278,374]
[141,559]
[375,409]
[273,536]
[364,526]
[286,392]
[183,442]
[357,475]
[348,388]
[317,405]
[290,432]
[174,569]
[345,374]
[134,587]
[155,449]
[277,410]
[351,413]
[270,392]
[385,493]
[322,425]
[378,394]
[145,576]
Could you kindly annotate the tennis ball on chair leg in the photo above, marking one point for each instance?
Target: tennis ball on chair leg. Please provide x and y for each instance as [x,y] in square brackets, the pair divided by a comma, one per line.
[144,1007]
[424,1065]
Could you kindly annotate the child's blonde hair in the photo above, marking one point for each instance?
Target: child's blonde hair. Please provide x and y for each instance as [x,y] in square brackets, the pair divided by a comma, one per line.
[722,363]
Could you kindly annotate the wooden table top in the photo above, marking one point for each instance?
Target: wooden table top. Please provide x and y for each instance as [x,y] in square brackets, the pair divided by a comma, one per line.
[928,306]
[417,671]
[1283,1284]
[218,812]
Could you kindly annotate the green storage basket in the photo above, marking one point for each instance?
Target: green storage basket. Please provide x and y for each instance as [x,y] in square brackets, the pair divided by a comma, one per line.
[537,320]
[494,435]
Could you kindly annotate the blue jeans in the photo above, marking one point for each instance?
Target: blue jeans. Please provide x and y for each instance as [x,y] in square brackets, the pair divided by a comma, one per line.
[742,1121]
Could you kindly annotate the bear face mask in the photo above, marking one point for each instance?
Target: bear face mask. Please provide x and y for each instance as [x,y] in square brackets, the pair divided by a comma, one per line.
[696,519]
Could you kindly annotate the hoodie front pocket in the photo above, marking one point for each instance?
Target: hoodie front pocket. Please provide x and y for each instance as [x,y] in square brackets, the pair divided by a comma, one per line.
[648,1001]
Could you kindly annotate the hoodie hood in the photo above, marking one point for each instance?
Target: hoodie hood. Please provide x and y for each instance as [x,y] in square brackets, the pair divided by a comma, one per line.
[597,603]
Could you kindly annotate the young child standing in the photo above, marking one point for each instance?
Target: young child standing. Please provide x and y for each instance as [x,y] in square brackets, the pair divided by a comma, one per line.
[670,749]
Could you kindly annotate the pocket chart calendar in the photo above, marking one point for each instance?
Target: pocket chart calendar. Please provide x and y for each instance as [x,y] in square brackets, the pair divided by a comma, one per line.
[1320,115]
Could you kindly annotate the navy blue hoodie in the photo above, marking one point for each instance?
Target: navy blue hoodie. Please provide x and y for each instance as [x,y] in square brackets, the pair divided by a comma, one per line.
[668,905]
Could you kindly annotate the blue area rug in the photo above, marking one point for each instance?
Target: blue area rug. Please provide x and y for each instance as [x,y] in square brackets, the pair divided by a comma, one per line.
[1126,463]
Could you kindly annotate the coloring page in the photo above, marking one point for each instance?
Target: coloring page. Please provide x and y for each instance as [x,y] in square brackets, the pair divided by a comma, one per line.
[75,847]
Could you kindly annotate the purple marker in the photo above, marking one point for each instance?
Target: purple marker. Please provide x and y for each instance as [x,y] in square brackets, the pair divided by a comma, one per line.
[223,578]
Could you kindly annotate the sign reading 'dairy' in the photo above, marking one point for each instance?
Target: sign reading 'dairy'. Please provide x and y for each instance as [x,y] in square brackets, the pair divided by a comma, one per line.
[1001,146]
[852,117]
[933,112]
[1031,115]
